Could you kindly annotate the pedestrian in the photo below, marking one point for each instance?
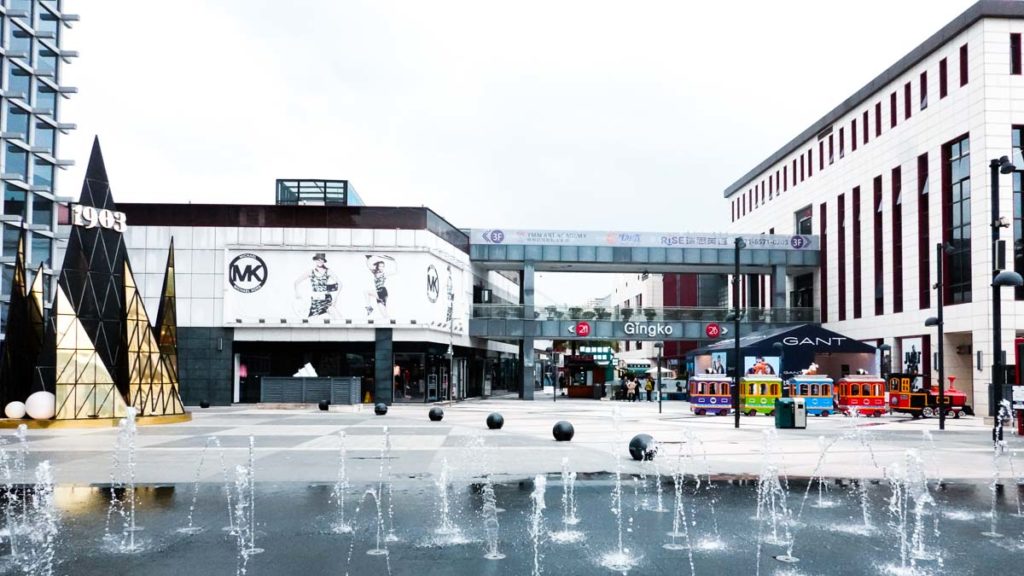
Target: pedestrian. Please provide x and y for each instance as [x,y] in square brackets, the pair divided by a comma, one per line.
[649,387]
[631,391]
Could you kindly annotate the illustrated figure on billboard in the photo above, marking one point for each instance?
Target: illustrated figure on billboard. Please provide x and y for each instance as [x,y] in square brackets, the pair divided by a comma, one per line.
[380,266]
[912,360]
[323,287]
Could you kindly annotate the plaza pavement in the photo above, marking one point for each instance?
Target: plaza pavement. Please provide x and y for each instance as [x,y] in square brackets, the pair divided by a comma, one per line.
[302,443]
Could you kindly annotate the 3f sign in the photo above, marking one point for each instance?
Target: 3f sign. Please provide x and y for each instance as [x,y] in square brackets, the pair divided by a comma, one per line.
[90,217]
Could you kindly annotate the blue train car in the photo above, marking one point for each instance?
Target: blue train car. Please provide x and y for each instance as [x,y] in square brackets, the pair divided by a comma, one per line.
[816,390]
[710,394]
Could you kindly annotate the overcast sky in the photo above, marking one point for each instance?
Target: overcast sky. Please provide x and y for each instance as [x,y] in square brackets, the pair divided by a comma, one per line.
[528,114]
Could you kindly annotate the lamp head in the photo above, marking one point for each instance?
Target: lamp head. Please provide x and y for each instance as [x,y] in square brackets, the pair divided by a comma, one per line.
[885,347]
[1005,166]
[740,243]
[1008,278]
[932,321]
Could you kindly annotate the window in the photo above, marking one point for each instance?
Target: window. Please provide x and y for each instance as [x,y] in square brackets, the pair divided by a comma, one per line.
[793,172]
[43,174]
[878,119]
[853,135]
[14,200]
[40,251]
[878,248]
[1015,53]
[10,245]
[17,121]
[15,161]
[44,136]
[1017,137]
[46,99]
[907,99]
[801,167]
[785,177]
[6,281]
[20,41]
[865,126]
[823,260]
[855,205]
[831,151]
[943,79]
[923,243]
[42,210]
[803,221]
[842,151]
[821,155]
[897,240]
[963,65]
[892,110]
[924,90]
[956,176]
[19,81]
[810,162]
[841,256]
[48,25]
[46,61]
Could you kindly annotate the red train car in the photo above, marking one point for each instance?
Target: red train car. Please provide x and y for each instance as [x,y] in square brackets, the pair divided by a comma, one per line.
[863,394]
[911,394]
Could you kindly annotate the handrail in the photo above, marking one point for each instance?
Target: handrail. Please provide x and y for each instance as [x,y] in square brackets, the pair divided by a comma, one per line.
[646,314]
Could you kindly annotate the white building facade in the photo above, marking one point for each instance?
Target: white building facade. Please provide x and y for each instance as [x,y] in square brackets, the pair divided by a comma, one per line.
[898,168]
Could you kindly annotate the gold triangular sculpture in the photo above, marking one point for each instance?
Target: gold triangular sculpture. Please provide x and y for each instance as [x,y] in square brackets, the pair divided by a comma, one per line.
[152,384]
[167,317]
[35,304]
[84,387]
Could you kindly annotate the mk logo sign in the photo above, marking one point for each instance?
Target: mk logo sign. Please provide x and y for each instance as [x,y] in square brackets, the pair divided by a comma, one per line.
[247,273]
[433,284]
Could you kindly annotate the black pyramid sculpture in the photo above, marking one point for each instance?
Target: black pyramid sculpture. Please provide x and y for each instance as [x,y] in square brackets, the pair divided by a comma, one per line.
[93,274]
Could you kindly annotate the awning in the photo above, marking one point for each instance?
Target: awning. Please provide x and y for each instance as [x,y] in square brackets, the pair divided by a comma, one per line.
[803,339]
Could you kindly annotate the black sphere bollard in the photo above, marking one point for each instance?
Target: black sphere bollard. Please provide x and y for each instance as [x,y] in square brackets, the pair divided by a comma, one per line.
[204,404]
[643,447]
[563,431]
[325,405]
[380,409]
[435,414]
[495,421]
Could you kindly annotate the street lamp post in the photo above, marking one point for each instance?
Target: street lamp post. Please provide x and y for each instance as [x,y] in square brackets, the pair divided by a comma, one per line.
[659,346]
[999,279]
[737,361]
[940,250]
[885,368]
[554,381]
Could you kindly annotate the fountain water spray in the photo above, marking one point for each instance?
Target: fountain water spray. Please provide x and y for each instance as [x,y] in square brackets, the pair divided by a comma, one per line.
[569,519]
[341,486]
[490,515]
[43,522]
[620,559]
[537,519]
[192,528]
[771,503]
[243,511]
[15,504]
[910,497]
[680,521]
[124,508]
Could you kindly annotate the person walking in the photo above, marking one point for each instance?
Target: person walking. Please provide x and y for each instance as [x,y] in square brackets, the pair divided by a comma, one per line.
[649,387]
[631,391]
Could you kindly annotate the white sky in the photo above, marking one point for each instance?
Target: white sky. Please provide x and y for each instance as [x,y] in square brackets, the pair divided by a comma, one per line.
[529,114]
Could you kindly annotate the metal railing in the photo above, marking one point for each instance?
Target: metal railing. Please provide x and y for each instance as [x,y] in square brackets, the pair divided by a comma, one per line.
[673,314]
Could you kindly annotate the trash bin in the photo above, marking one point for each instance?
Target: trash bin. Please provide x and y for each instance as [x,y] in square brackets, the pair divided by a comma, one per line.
[799,413]
[784,413]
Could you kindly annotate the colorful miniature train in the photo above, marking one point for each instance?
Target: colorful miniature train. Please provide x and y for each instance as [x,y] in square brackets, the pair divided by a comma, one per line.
[911,394]
[864,395]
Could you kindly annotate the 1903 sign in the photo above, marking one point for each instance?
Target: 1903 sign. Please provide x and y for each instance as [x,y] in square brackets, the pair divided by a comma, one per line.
[91,217]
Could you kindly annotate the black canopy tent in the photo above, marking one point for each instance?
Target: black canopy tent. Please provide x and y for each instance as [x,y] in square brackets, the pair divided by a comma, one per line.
[802,345]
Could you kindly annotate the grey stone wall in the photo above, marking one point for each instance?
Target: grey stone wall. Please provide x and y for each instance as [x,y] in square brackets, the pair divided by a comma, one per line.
[205,365]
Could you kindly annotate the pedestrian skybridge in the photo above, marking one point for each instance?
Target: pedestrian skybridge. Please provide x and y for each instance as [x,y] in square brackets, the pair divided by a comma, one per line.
[531,251]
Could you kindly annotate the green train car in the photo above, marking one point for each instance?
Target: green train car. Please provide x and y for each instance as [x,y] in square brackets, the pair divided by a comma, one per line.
[758,393]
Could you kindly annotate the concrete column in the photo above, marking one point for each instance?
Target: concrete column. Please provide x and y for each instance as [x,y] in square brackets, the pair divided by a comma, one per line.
[384,361]
[526,346]
[779,287]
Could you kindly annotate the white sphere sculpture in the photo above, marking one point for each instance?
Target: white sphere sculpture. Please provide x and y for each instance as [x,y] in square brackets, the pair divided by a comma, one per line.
[41,405]
[15,410]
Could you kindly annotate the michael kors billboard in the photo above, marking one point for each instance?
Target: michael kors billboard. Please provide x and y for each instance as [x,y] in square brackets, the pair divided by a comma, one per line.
[313,287]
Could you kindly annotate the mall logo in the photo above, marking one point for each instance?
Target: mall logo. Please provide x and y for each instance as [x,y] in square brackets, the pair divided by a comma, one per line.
[494,236]
[247,273]
[433,284]
[798,242]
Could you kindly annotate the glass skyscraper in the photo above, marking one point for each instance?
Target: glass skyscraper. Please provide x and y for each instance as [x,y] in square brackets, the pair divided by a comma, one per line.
[31,97]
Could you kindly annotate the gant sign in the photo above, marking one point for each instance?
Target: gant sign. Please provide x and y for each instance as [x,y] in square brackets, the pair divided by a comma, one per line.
[648,329]
[806,341]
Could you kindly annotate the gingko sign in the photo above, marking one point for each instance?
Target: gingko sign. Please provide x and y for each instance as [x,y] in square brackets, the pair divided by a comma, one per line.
[648,329]
[315,286]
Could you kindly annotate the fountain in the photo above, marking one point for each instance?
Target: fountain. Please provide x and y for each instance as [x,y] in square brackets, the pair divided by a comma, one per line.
[490,515]
[41,527]
[124,508]
[243,512]
[537,519]
[340,526]
[680,521]
[14,502]
[619,559]
[910,495]
[448,532]
[192,529]
[569,519]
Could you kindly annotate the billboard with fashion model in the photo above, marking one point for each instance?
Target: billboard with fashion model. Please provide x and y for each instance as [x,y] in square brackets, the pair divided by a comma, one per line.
[343,287]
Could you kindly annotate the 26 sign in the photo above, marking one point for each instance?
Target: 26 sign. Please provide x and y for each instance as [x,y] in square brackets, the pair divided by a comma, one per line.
[90,217]
[713,330]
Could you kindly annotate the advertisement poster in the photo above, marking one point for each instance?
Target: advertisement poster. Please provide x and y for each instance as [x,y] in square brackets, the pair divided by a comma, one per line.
[346,287]
[910,355]
[761,365]
[718,363]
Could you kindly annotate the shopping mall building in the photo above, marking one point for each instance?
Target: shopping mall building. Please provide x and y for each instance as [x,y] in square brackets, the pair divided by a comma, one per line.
[898,168]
